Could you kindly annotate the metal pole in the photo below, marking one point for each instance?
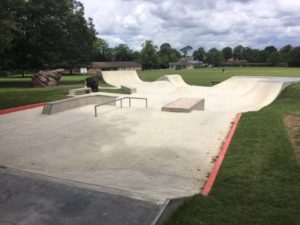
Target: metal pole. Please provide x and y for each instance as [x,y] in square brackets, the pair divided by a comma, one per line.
[95,111]
[121,101]
[146,103]
[129,102]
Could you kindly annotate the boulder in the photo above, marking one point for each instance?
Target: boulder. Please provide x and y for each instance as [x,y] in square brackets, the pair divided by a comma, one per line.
[47,78]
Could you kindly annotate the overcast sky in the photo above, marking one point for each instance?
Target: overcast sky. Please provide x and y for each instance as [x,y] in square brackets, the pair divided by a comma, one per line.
[199,23]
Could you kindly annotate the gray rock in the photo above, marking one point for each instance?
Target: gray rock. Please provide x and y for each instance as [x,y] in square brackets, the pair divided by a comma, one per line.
[47,78]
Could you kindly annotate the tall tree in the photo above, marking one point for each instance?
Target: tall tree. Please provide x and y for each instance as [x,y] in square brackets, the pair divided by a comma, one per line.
[8,10]
[227,53]
[238,52]
[185,50]
[149,57]
[284,51]
[199,54]
[167,54]
[294,57]
[215,57]
[102,50]
[51,33]
[122,53]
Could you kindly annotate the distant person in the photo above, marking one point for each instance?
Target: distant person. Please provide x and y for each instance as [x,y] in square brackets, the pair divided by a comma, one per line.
[223,70]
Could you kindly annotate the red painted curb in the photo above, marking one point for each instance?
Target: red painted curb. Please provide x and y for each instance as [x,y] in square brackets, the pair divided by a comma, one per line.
[212,177]
[11,110]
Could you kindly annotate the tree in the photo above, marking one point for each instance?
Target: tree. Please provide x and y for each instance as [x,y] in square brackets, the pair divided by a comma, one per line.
[50,33]
[80,38]
[252,55]
[103,51]
[227,53]
[274,58]
[238,52]
[185,50]
[149,56]
[136,56]
[215,57]
[166,55]
[199,54]
[284,53]
[7,22]
[165,49]
[294,57]
[122,53]
[268,51]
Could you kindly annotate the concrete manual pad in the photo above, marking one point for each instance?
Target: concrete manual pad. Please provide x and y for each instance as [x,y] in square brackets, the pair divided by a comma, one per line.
[184,105]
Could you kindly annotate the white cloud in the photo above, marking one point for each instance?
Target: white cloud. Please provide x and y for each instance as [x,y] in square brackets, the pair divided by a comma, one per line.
[206,23]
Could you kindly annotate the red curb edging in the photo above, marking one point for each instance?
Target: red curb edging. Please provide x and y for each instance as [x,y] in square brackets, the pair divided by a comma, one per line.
[212,177]
[11,110]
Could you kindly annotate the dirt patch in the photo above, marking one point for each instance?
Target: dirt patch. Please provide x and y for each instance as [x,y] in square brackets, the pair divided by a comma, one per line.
[292,123]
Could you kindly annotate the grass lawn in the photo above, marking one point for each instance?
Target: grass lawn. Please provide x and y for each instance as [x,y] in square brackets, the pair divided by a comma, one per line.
[259,181]
[206,75]
[16,90]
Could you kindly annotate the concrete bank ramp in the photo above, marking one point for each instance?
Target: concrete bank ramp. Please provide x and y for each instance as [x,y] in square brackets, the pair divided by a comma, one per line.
[252,93]
[121,77]
[174,79]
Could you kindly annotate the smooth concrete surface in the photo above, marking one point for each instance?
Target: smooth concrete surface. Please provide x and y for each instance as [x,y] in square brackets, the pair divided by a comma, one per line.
[149,154]
[184,105]
[27,199]
[75,102]
[142,153]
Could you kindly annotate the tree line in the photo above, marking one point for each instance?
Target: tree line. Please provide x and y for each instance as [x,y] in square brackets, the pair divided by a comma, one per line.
[270,55]
[39,34]
[48,34]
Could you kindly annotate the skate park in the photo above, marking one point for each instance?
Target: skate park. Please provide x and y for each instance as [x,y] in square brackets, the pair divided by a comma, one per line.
[140,152]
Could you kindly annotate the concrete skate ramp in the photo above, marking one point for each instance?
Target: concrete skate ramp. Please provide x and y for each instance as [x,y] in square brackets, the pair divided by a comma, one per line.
[250,93]
[121,77]
[174,79]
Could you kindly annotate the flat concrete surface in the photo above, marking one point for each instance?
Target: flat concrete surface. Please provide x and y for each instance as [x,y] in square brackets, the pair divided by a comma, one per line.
[146,153]
[29,200]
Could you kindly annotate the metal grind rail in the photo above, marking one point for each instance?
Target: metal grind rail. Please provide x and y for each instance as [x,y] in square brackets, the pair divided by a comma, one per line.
[121,102]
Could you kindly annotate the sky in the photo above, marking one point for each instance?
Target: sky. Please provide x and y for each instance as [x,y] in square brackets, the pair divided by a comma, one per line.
[198,23]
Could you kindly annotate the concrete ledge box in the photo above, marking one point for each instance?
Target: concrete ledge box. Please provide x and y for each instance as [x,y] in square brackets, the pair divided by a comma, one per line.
[128,89]
[184,105]
[71,103]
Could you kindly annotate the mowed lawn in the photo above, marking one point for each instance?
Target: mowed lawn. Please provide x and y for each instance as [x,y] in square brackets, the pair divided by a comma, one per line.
[17,91]
[206,75]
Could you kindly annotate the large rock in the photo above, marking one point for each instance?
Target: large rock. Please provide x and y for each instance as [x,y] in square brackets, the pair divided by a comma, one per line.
[47,78]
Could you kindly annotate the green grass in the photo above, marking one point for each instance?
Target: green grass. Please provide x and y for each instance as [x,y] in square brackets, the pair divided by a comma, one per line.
[259,181]
[17,91]
[206,75]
